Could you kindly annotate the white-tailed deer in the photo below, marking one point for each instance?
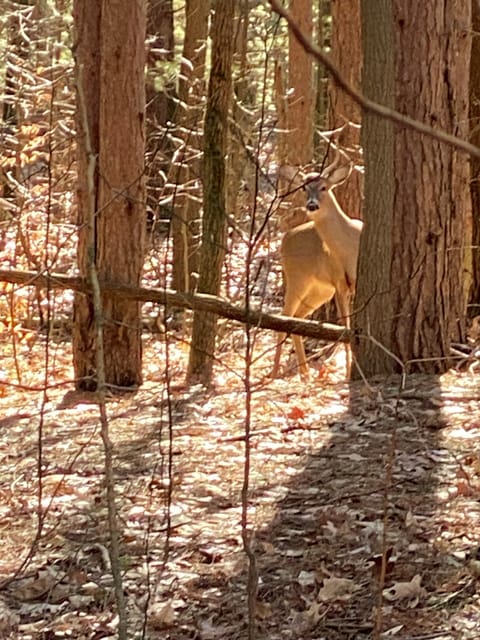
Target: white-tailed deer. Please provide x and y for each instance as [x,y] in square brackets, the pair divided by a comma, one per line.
[319,258]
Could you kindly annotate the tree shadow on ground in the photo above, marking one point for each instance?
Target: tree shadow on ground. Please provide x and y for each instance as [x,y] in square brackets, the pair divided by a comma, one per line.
[385,482]
[381,471]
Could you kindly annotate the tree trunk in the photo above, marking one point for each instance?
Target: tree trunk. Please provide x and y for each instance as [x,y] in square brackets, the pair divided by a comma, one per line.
[410,296]
[474,301]
[160,31]
[373,286]
[300,81]
[110,58]
[347,56]
[321,96]
[86,16]
[432,199]
[200,366]
[19,27]
[242,122]
[185,172]
[280,96]
[346,53]
[300,104]
[160,91]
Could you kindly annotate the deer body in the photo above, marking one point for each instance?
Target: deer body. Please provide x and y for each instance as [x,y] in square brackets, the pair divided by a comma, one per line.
[319,259]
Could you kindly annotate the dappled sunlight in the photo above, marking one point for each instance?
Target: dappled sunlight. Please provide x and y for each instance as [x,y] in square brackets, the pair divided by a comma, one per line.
[320,455]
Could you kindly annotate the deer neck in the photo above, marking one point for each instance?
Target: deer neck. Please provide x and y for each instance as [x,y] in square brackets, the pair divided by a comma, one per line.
[332,223]
[339,234]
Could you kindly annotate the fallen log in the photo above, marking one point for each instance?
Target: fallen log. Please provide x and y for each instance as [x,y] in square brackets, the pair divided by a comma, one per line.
[177,300]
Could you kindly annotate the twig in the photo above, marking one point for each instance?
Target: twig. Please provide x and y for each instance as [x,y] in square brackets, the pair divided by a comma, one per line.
[114,551]
[386,496]
[364,102]
[429,636]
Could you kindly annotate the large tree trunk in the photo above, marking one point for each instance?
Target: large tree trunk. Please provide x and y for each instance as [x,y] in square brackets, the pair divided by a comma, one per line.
[86,16]
[374,267]
[110,57]
[432,198]
[200,366]
[474,302]
[410,296]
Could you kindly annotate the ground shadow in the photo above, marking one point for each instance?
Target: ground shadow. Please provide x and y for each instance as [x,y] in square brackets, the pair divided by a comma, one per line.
[381,485]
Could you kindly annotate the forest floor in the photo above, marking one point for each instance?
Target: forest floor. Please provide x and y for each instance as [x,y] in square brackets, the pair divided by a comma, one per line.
[340,476]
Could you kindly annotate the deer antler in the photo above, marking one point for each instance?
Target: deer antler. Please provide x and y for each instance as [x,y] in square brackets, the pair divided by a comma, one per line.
[331,137]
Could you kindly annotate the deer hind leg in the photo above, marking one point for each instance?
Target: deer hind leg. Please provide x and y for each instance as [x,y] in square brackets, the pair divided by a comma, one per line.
[302,312]
[278,352]
[299,309]
[282,336]
[342,301]
[291,308]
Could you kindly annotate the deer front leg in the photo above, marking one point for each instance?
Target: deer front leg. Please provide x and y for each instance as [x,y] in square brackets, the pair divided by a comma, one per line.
[343,304]
[303,367]
[278,352]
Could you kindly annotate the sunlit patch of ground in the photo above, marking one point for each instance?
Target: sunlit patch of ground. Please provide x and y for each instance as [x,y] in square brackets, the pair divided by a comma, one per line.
[338,474]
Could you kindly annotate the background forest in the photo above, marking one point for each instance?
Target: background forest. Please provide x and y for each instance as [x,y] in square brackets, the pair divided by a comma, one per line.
[165,470]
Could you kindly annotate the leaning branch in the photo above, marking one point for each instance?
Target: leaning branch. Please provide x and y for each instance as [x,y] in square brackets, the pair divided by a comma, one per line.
[366,104]
[194,301]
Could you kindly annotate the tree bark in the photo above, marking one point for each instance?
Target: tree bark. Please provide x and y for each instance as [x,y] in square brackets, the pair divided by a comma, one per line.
[300,82]
[374,265]
[185,172]
[200,366]
[346,54]
[159,99]
[300,106]
[321,96]
[201,302]
[432,198]
[86,16]
[410,294]
[110,56]
[474,298]
[239,165]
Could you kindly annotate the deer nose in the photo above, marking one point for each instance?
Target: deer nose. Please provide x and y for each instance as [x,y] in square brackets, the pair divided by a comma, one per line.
[312,205]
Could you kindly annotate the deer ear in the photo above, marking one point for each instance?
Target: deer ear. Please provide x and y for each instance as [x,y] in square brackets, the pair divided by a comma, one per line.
[340,175]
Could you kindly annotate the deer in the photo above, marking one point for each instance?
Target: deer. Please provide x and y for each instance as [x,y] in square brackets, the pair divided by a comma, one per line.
[319,257]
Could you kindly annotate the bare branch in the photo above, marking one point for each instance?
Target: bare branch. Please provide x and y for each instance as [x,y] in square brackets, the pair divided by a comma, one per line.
[364,102]
[195,301]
